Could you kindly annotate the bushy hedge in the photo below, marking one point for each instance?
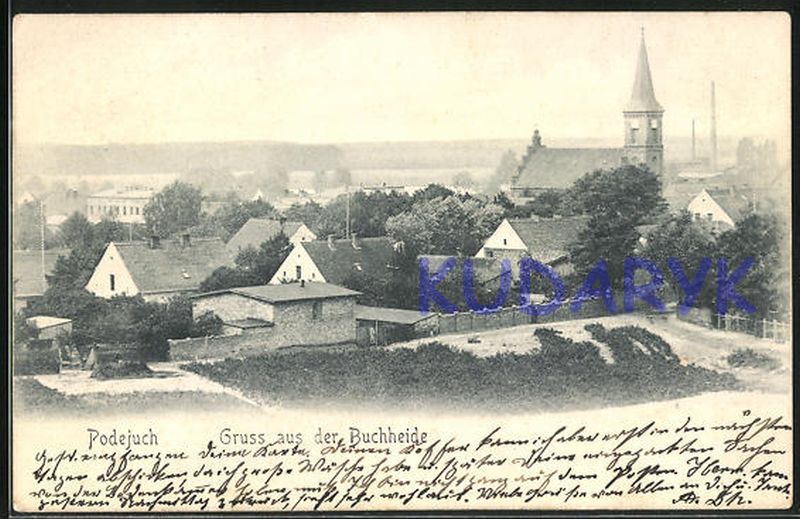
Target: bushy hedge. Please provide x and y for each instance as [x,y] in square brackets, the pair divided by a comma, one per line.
[33,361]
[562,373]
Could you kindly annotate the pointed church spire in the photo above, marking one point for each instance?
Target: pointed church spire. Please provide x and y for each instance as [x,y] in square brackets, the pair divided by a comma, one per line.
[643,98]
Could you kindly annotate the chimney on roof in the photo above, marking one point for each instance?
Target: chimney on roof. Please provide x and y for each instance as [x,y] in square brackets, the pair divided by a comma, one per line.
[155,242]
[331,245]
[186,239]
[354,241]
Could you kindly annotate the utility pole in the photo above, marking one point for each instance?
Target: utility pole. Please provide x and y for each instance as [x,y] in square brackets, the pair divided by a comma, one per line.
[347,222]
[713,135]
[41,228]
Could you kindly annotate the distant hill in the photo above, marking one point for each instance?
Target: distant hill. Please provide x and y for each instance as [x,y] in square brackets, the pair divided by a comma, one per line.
[146,159]
[179,158]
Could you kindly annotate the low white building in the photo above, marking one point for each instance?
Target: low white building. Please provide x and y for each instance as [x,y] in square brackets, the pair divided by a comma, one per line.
[721,208]
[123,205]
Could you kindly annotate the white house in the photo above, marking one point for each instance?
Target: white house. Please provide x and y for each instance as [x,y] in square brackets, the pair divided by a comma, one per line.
[546,240]
[258,230]
[156,270]
[719,207]
[338,261]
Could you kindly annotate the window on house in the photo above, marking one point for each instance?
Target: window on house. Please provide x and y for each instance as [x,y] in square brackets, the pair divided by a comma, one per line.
[489,254]
[710,216]
[654,124]
[298,272]
[316,310]
[505,241]
[125,210]
[112,282]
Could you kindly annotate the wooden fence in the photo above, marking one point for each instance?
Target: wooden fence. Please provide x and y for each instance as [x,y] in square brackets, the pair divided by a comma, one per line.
[765,328]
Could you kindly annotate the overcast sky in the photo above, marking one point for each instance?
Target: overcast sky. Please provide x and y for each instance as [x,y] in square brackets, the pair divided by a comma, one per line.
[94,79]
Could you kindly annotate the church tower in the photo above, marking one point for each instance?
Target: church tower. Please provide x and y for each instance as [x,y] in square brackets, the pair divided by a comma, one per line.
[643,115]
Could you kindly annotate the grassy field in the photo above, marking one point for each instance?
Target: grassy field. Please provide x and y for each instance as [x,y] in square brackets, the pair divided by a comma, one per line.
[560,374]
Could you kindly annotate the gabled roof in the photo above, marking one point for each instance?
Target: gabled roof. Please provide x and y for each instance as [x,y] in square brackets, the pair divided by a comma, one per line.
[548,239]
[732,201]
[41,322]
[258,230]
[643,97]
[389,315]
[286,292]
[172,266]
[560,167]
[374,258]
[26,268]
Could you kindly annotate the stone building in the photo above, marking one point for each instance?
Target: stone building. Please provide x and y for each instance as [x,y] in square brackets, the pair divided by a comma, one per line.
[266,317]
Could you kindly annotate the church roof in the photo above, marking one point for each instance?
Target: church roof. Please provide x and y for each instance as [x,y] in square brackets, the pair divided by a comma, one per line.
[560,167]
[643,97]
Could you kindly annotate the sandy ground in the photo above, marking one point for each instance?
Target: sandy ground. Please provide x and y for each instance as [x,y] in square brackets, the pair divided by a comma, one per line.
[693,344]
[168,378]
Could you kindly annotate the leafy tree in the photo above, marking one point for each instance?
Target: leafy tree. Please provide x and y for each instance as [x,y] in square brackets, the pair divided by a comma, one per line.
[758,237]
[432,191]
[76,231]
[253,266]
[549,203]
[234,214]
[502,199]
[263,262]
[680,238]
[308,213]
[28,219]
[445,225]
[368,213]
[227,277]
[173,209]
[616,201]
